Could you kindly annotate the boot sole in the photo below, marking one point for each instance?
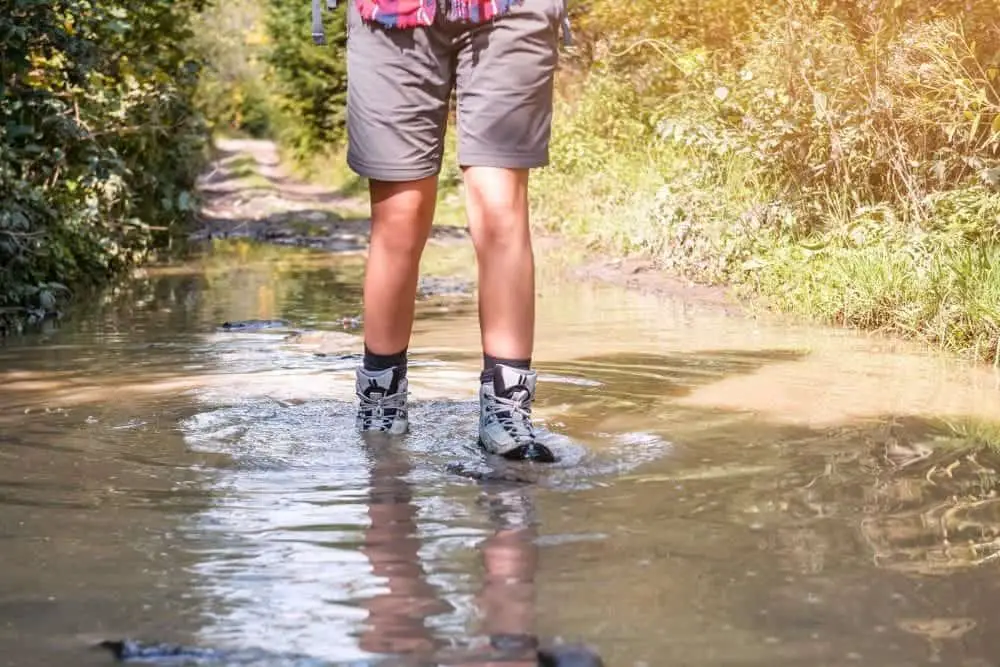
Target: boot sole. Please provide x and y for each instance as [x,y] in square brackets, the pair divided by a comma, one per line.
[535,453]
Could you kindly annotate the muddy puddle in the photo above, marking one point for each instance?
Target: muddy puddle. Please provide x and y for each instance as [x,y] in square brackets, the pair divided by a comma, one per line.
[731,492]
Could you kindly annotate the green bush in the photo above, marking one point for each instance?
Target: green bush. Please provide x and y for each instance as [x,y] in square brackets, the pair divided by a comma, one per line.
[100,144]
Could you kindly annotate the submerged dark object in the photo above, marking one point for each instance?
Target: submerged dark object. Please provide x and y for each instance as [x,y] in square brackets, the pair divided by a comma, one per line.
[253,325]
[131,651]
[127,650]
[500,475]
[558,655]
[569,655]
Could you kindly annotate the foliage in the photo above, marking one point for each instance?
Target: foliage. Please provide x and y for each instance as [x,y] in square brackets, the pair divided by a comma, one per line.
[309,81]
[233,94]
[839,158]
[265,76]
[99,141]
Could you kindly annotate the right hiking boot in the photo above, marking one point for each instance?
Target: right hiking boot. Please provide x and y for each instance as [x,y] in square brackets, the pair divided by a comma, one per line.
[382,401]
[505,426]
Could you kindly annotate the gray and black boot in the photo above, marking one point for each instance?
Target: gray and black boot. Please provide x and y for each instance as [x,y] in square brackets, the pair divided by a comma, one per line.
[382,401]
[505,426]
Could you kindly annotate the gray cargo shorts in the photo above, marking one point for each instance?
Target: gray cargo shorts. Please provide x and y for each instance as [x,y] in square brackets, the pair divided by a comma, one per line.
[399,85]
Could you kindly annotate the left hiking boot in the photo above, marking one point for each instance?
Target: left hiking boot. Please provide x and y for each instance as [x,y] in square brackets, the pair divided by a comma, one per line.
[505,426]
[382,401]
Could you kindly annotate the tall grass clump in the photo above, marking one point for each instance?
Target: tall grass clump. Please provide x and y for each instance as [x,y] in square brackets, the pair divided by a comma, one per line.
[839,159]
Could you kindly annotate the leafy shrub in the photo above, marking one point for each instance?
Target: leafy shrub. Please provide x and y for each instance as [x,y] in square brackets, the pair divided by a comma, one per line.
[100,144]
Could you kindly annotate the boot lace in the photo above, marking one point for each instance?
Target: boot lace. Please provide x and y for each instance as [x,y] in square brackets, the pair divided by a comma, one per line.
[378,410]
[514,415]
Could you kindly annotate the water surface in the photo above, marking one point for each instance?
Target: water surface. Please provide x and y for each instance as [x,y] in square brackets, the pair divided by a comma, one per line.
[731,491]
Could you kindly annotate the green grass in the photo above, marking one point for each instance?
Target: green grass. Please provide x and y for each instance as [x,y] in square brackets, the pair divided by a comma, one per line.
[937,287]
[719,216]
[947,294]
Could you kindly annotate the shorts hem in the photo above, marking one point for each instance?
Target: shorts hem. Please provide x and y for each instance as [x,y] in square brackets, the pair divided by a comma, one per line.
[504,161]
[395,174]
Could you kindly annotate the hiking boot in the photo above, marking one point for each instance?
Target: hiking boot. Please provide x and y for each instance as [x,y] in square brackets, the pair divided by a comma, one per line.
[505,416]
[382,401]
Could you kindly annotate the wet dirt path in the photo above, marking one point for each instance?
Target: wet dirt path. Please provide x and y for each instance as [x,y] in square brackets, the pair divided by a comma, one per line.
[733,491]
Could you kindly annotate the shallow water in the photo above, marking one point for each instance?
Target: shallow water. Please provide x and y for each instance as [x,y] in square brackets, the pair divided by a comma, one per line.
[731,491]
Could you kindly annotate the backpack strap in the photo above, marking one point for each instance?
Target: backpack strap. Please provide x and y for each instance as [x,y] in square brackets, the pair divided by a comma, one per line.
[566,30]
[318,31]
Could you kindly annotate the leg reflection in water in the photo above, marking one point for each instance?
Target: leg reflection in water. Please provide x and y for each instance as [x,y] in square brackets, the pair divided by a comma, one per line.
[510,558]
[506,602]
[507,599]
[397,618]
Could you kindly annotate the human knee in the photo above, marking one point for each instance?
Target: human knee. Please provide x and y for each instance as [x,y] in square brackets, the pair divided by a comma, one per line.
[401,215]
[401,235]
[498,205]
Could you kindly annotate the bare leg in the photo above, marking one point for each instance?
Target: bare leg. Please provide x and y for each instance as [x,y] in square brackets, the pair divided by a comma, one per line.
[497,205]
[402,214]
[497,202]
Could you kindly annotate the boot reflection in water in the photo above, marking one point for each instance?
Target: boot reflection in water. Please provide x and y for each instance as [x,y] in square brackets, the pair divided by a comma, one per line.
[397,618]
[510,558]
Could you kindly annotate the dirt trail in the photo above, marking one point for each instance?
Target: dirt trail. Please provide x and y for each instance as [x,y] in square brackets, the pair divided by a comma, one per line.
[247,181]
[248,192]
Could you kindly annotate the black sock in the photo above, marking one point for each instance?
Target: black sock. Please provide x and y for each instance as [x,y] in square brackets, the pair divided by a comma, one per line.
[381,362]
[489,363]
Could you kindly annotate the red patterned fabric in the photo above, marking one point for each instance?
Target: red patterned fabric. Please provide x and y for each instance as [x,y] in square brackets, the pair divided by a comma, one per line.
[413,13]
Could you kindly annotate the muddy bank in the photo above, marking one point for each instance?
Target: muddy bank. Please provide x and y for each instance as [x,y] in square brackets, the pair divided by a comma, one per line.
[642,274]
